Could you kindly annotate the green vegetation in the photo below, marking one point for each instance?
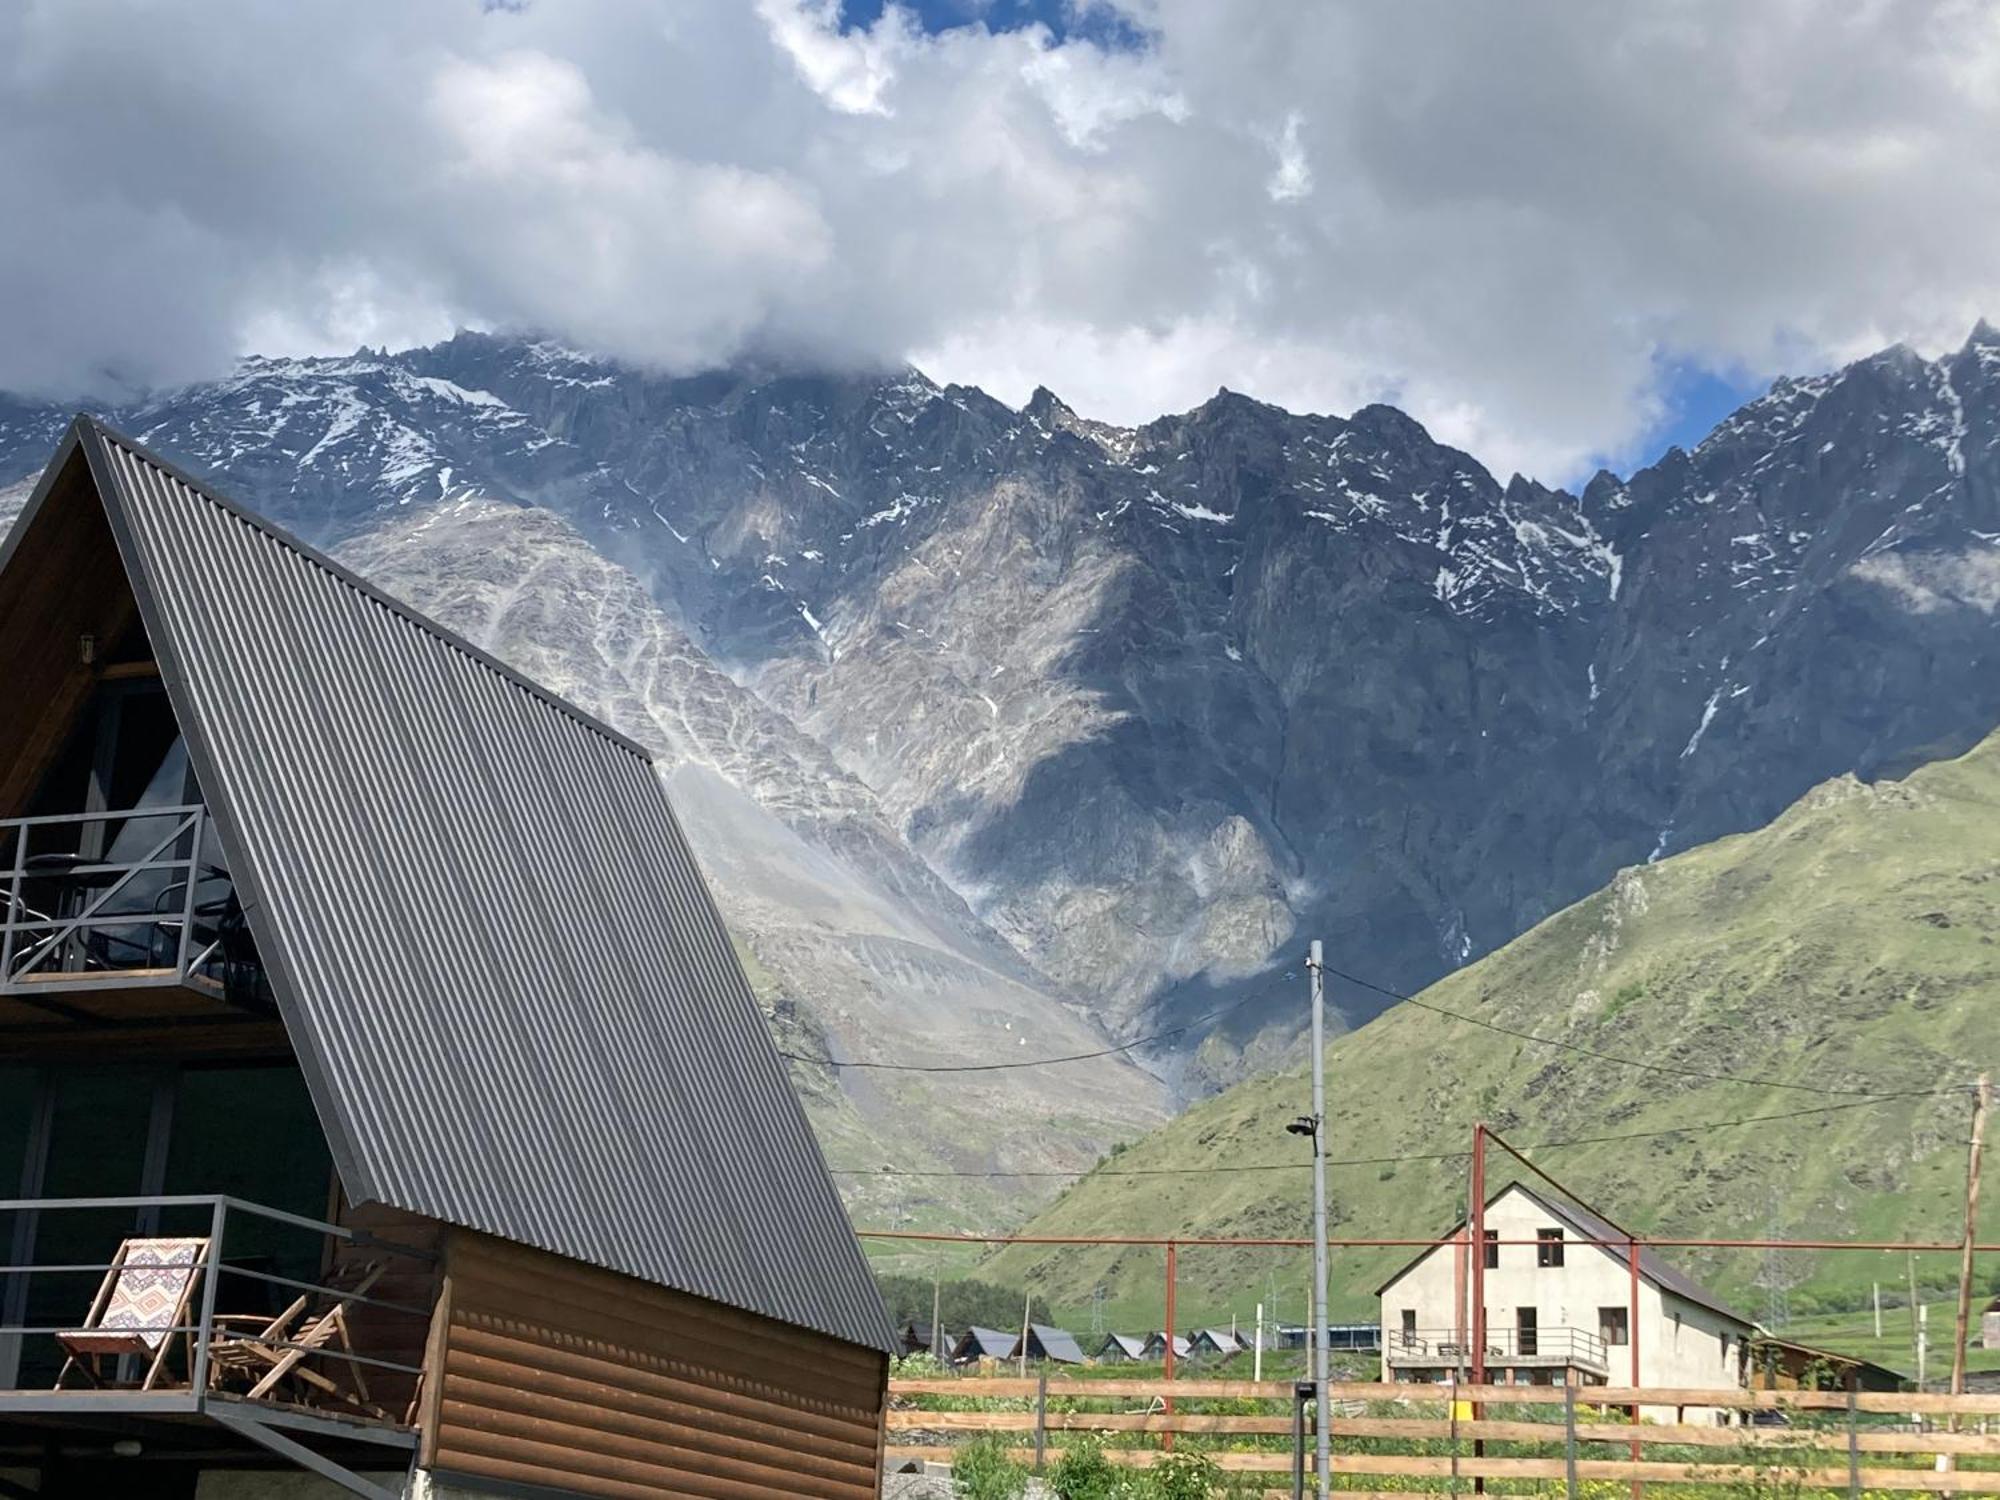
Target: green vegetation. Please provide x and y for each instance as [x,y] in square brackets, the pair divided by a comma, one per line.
[981,1470]
[961,1304]
[1851,945]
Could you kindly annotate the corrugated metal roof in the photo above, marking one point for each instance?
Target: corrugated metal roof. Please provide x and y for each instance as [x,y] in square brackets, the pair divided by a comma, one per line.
[512,995]
[985,1343]
[1057,1344]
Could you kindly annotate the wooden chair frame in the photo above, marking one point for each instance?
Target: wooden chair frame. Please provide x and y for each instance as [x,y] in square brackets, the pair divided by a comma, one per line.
[273,1350]
[131,1340]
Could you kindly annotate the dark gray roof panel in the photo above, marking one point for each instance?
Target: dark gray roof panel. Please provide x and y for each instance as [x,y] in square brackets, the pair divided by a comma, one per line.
[512,994]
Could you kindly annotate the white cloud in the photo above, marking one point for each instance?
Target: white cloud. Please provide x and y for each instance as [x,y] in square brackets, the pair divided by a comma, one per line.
[1927,582]
[1508,219]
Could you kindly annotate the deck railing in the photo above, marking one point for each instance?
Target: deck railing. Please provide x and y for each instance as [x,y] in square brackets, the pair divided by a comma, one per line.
[1557,1345]
[273,1309]
[115,898]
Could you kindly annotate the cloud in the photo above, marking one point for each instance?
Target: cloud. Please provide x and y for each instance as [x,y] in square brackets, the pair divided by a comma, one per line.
[1512,220]
[1927,582]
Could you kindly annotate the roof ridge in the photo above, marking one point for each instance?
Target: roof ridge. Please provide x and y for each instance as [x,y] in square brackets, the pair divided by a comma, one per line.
[90,425]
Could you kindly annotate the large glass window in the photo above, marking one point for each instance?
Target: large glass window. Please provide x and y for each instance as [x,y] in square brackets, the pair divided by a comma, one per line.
[251,1133]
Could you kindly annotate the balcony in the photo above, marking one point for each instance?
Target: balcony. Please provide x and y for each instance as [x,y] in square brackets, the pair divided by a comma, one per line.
[97,907]
[1509,1348]
[172,1323]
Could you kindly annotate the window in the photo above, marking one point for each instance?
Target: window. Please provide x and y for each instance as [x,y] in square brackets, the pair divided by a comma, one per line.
[1614,1325]
[1409,1326]
[1492,1249]
[1548,1247]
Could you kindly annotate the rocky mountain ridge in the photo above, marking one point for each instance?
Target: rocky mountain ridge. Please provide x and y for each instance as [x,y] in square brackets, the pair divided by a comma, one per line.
[1155,704]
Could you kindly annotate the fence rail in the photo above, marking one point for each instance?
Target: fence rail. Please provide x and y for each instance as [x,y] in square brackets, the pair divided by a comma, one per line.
[1846,1441]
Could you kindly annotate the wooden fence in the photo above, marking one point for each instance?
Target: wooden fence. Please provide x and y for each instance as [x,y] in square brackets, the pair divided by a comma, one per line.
[1419,1438]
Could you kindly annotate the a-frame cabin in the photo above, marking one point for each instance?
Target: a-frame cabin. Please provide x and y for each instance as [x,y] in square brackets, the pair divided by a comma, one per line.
[379,1091]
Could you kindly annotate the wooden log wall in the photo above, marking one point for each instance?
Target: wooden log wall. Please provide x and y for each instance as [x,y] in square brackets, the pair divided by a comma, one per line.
[553,1374]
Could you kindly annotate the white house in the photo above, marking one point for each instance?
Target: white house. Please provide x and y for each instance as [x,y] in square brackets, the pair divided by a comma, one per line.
[1557,1311]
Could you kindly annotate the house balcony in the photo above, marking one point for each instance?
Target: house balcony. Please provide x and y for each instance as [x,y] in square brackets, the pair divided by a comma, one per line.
[1555,1348]
[113,918]
[205,1330]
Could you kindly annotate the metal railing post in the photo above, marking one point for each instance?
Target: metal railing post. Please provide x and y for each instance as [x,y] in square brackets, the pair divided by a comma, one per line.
[14,906]
[187,902]
[205,1324]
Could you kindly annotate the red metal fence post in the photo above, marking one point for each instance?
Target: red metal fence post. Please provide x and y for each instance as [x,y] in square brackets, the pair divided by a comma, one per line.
[1173,1270]
[1632,1337]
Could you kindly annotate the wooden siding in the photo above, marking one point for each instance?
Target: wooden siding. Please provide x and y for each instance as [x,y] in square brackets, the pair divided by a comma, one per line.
[559,1375]
[65,582]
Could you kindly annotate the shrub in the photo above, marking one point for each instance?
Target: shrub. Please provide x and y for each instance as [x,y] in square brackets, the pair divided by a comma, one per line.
[1183,1476]
[1084,1473]
[981,1470]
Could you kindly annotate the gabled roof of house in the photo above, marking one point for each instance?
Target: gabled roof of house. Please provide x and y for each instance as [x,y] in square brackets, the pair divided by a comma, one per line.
[1222,1339]
[512,996]
[1057,1344]
[985,1343]
[1590,1226]
[1159,1341]
[1131,1345]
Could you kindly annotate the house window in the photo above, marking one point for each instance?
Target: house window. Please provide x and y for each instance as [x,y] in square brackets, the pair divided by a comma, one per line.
[1492,1249]
[1614,1325]
[1525,1331]
[1548,1247]
[1409,1326]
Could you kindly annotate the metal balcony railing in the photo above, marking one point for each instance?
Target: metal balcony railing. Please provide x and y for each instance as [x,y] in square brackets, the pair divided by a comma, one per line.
[154,907]
[205,1304]
[1551,1346]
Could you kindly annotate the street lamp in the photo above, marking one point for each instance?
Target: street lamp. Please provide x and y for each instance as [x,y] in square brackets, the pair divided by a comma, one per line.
[1310,1127]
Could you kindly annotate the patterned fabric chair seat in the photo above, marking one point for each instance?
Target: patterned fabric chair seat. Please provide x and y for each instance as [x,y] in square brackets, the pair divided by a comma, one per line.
[143,1301]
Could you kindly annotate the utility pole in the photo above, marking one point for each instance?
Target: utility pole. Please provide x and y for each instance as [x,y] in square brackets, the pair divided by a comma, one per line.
[1878,1310]
[1916,1315]
[1923,1343]
[1980,1100]
[1027,1312]
[1322,1438]
[937,1327]
[1257,1352]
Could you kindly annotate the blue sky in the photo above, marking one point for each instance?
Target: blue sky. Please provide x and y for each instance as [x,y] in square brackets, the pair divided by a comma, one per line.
[1696,399]
[1090,21]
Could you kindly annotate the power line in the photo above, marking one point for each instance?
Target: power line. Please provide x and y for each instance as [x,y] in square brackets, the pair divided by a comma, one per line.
[1035,1062]
[1229,1169]
[1632,1062]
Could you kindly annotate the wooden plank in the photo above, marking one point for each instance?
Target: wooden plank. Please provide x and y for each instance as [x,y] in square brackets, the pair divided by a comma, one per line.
[644,1383]
[663,1446]
[575,1379]
[1131,1458]
[1878,1402]
[592,1402]
[1084,1421]
[1984,1482]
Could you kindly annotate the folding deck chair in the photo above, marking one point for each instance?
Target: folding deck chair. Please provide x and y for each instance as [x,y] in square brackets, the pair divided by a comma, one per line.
[268,1351]
[140,1309]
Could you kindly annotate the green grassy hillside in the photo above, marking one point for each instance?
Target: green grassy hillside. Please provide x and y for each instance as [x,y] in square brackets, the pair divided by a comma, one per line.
[1849,945]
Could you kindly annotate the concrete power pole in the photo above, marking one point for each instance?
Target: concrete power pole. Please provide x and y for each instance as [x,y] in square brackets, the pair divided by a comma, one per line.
[1980,1101]
[1322,1438]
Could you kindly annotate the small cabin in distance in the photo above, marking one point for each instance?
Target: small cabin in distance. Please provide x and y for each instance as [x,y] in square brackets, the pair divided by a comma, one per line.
[380,1095]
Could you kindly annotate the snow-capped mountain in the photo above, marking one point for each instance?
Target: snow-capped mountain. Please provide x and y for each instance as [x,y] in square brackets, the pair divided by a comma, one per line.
[1122,716]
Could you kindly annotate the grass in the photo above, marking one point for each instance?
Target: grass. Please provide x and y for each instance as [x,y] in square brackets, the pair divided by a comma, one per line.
[1853,944]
